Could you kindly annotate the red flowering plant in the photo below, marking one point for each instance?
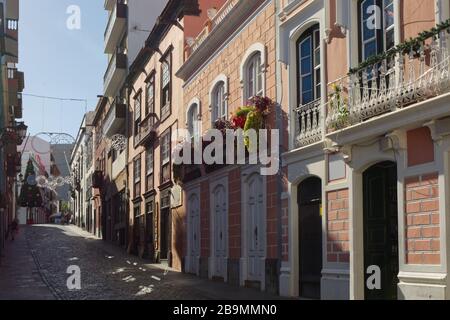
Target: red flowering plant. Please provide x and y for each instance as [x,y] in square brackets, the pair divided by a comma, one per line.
[253,115]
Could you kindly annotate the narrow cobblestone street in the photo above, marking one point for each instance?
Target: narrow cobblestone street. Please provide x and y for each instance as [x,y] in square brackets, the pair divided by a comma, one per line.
[35,267]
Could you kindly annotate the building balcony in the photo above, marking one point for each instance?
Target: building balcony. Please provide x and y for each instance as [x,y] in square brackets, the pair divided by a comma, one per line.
[109,4]
[115,73]
[15,88]
[11,54]
[385,85]
[12,10]
[115,119]
[215,19]
[147,130]
[116,25]
[308,124]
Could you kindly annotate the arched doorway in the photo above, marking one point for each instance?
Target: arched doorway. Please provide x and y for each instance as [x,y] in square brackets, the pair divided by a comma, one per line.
[310,237]
[381,228]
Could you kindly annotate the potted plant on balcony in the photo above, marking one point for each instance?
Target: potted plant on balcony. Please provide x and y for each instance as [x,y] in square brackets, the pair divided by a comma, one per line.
[339,108]
[252,116]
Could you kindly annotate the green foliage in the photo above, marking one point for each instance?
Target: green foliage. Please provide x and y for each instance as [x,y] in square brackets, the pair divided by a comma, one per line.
[30,194]
[411,45]
[340,105]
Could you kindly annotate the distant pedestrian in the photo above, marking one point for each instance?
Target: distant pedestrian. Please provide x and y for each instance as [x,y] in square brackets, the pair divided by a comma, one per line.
[14,228]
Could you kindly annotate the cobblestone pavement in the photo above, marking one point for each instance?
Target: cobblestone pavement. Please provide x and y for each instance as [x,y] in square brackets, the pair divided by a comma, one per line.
[107,272]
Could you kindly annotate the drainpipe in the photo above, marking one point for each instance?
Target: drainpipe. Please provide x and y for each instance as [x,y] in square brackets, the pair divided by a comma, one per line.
[279,125]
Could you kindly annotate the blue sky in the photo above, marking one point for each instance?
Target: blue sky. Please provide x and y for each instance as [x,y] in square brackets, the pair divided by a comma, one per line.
[59,62]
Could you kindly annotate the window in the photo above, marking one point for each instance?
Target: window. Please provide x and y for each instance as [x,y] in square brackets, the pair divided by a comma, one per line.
[150,95]
[254,77]
[137,177]
[309,66]
[219,103]
[149,162]
[193,123]
[137,113]
[166,90]
[375,40]
[165,157]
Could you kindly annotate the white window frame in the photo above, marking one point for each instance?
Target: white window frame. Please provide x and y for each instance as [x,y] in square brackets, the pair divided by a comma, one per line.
[148,151]
[165,159]
[192,103]
[220,80]
[249,56]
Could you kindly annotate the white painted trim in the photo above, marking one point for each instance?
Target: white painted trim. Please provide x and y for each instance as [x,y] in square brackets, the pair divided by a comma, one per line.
[227,42]
[293,30]
[220,78]
[298,172]
[246,173]
[251,51]
[193,192]
[194,101]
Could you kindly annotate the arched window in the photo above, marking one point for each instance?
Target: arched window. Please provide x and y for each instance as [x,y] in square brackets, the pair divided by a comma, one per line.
[219,103]
[309,66]
[193,123]
[254,77]
[376,27]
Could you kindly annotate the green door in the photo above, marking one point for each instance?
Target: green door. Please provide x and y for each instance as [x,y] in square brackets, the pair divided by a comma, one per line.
[310,237]
[381,229]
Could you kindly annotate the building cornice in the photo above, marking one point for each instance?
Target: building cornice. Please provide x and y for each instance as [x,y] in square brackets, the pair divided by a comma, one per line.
[219,35]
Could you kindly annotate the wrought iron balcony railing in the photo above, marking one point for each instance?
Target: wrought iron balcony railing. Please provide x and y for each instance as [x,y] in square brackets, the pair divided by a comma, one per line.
[392,83]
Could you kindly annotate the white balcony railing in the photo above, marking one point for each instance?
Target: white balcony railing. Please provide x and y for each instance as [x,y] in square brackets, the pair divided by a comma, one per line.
[110,70]
[116,25]
[111,20]
[308,124]
[221,14]
[117,63]
[395,82]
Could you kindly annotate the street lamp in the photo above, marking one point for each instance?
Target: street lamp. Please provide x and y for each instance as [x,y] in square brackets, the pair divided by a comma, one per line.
[21,130]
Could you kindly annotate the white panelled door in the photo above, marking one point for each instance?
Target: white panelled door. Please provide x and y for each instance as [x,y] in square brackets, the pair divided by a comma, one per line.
[220,232]
[256,233]
[194,233]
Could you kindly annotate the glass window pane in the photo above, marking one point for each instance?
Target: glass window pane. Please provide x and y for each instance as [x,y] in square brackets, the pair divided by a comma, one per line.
[389,16]
[365,7]
[317,77]
[370,49]
[305,67]
[166,74]
[307,96]
[368,33]
[307,83]
[316,58]
[305,47]
[316,39]
[390,42]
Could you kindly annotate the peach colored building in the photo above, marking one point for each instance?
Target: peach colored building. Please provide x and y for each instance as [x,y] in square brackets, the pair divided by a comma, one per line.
[368,160]
[234,229]
[156,112]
